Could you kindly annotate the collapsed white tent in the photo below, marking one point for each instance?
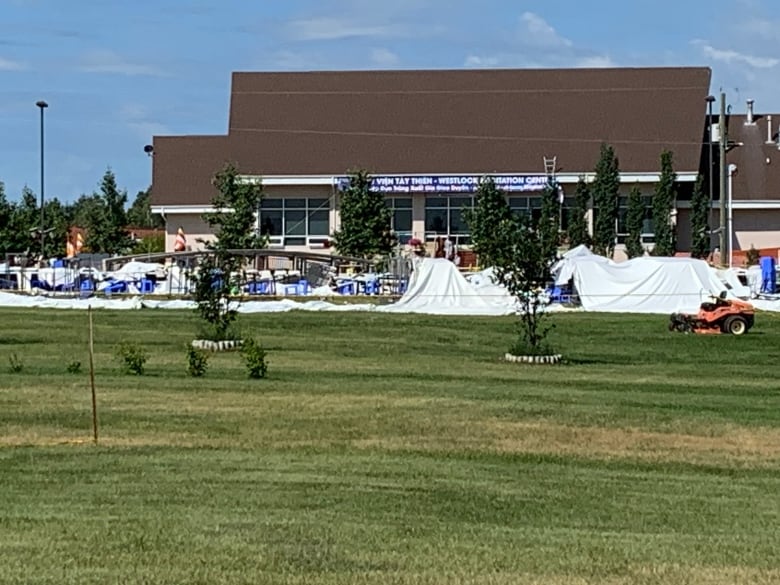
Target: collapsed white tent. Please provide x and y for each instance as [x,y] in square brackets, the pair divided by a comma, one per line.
[645,285]
[438,288]
[564,269]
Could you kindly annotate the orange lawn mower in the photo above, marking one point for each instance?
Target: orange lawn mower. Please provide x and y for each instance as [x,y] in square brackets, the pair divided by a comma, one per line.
[721,316]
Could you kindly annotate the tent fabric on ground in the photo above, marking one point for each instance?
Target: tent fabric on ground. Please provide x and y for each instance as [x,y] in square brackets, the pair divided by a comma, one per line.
[645,285]
[438,288]
[564,269]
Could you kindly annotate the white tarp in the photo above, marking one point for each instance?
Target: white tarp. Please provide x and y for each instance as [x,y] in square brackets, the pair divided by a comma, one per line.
[564,269]
[438,288]
[645,285]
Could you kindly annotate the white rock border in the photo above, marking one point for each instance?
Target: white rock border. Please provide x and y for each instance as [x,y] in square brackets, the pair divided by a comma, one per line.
[533,359]
[209,345]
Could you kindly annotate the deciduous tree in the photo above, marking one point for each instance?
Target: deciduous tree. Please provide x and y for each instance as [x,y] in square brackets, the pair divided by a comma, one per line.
[522,252]
[365,230]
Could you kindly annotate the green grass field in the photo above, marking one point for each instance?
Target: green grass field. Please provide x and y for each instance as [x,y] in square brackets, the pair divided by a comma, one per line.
[390,449]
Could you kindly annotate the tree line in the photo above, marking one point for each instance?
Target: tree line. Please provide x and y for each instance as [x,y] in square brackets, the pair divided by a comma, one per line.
[104,216]
[603,196]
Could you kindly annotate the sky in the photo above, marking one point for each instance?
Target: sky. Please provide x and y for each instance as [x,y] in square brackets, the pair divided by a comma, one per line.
[115,73]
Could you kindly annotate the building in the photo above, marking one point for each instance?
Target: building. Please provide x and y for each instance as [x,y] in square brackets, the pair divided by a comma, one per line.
[429,136]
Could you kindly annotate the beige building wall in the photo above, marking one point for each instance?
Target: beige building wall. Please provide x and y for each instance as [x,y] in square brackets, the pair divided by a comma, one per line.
[194,229]
[759,228]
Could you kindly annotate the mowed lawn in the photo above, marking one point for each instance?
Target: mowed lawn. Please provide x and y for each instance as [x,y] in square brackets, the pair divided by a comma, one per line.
[390,449]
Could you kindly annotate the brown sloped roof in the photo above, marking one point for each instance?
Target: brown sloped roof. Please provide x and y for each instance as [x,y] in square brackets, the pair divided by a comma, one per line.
[183,167]
[452,121]
[755,179]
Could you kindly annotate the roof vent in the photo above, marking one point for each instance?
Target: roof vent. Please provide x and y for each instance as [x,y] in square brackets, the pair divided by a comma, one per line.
[769,129]
[750,119]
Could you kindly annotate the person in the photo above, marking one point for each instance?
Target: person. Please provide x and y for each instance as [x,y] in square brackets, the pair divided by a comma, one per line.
[438,250]
[449,249]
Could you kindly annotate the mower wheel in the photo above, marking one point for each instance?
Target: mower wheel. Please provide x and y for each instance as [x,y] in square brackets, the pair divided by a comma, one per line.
[736,325]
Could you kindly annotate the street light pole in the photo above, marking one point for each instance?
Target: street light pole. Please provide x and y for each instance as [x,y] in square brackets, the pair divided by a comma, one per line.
[722,168]
[710,100]
[42,105]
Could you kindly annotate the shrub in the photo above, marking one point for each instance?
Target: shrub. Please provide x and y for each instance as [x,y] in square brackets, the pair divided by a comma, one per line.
[197,362]
[254,358]
[132,358]
[73,367]
[16,364]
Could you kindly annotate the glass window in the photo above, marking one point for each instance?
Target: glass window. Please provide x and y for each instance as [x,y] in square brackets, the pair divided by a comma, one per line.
[458,224]
[401,203]
[275,203]
[402,220]
[317,203]
[297,219]
[436,221]
[271,224]
[319,223]
[294,223]
[436,202]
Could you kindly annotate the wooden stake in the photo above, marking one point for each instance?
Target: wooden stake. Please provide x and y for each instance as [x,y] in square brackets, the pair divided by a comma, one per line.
[92,376]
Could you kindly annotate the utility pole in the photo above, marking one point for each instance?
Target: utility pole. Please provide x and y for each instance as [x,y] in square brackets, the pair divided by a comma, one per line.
[722,171]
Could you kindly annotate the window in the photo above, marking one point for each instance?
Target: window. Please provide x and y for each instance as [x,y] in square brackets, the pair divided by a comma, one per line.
[291,221]
[444,217]
[533,206]
[401,217]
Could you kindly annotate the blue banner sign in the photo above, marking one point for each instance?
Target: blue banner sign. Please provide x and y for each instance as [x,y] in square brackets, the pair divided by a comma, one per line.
[451,183]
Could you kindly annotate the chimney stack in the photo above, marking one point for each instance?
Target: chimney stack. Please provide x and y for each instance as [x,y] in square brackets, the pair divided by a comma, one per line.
[769,129]
[749,113]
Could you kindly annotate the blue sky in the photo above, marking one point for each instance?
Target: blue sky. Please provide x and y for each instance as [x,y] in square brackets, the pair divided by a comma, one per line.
[117,72]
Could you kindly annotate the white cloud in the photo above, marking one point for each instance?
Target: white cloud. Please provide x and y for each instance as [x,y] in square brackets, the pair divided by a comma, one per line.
[9,65]
[731,57]
[332,28]
[595,62]
[384,57]
[110,62]
[763,29]
[536,44]
[137,118]
[536,31]
[477,61]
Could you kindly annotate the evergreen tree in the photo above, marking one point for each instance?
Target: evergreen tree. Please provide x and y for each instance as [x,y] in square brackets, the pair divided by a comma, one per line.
[140,212]
[578,221]
[521,253]
[82,211]
[57,222]
[663,203]
[106,228]
[606,198]
[700,228]
[491,212]
[6,212]
[21,234]
[365,230]
[635,217]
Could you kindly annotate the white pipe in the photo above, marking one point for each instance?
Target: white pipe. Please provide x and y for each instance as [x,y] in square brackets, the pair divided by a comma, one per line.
[769,129]
[730,216]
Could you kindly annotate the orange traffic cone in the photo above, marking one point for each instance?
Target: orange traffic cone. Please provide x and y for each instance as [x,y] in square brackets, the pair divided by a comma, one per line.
[181,241]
